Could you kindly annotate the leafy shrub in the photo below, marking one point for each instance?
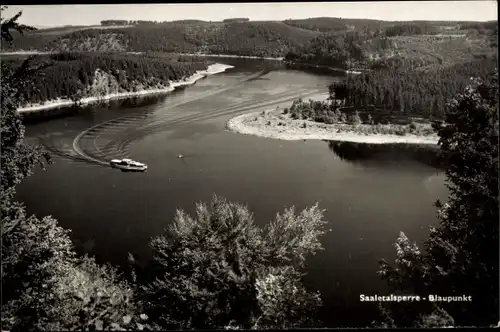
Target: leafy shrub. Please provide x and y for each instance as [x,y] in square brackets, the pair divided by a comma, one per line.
[219,269]
[355,119]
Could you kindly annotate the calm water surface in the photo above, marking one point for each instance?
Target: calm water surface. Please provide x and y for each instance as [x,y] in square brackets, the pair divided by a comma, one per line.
[369,198]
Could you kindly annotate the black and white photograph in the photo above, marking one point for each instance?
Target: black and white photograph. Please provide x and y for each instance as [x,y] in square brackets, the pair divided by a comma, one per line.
[249,165]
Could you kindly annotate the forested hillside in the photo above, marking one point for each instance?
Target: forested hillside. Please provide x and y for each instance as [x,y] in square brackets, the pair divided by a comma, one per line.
[376,49]
[77,75]
[389,28]
[330,24]
[398,101]
[321,24]
[411,69]
[321,41]
[403,90]
[272,39]
[340,50]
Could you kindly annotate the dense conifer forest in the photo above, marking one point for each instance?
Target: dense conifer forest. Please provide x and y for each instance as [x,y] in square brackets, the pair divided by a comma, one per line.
[399,94]
[73,75]
[401,89]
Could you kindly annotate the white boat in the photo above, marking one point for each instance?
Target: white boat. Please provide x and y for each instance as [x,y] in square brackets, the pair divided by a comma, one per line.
[128,165]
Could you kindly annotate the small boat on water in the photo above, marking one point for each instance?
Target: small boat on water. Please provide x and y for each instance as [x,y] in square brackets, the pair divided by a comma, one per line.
[128,165]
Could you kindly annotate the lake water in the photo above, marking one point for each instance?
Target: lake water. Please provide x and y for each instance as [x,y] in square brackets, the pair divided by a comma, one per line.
[369,196]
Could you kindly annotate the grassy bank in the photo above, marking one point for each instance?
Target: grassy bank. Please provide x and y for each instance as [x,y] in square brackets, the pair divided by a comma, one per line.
[275,124]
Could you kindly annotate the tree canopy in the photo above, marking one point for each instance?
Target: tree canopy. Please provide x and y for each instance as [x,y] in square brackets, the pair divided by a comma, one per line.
[460,258]
[218,269]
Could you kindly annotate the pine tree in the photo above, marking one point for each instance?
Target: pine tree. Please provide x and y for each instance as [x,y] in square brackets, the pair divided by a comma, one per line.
[355,119]
[370,119]
[461,255]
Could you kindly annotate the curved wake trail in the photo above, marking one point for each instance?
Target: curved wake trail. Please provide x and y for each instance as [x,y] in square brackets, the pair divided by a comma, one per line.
[51,147]
[82,153]
[205,94]
[134,127]
[101,161]
[183,116]
[123,144]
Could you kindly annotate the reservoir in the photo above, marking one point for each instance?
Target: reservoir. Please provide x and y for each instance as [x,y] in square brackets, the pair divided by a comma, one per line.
[369,195]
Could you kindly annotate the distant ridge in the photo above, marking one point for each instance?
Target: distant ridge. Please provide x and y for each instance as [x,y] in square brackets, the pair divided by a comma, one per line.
[277,39]
[41,27]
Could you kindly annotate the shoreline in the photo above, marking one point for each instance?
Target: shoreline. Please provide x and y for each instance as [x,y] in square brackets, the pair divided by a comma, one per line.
[232,56]
[268,126]
[298,65]
[61,103]
[36,52]
[351,71]
[32,52]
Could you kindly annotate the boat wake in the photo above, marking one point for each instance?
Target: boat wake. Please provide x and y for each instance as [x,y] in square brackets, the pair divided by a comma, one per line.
[112,139]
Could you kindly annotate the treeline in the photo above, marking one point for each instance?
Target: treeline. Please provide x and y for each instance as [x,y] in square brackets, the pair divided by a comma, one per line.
[188,21]
[403,90]
[142,22]
[336,24]
[489,25]
[236,20]
[125,22]
[390,28]
[71,75]
[114,22]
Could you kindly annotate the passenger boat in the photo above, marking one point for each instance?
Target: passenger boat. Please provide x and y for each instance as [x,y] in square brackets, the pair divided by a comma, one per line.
[128,165]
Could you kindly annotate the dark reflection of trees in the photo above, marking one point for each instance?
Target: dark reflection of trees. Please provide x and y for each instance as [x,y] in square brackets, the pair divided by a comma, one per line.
[39,116]
[138,101]
[67,111]
[319,70]
[245,64]
[362,152]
